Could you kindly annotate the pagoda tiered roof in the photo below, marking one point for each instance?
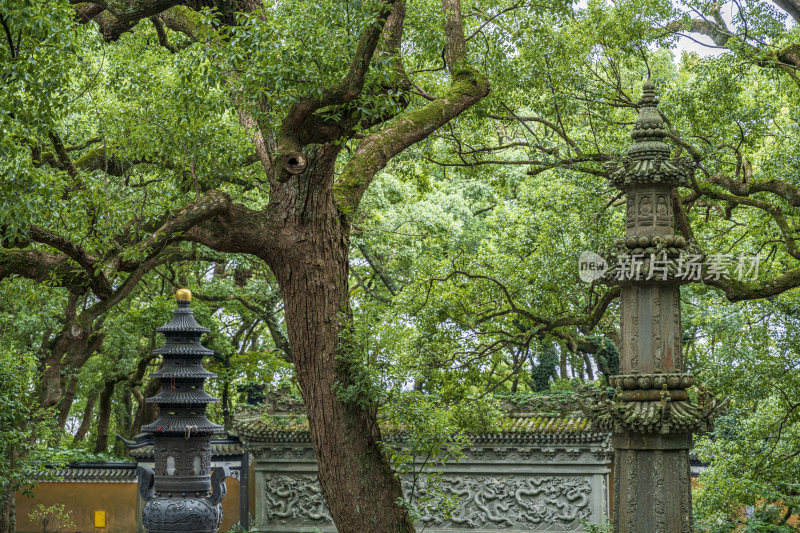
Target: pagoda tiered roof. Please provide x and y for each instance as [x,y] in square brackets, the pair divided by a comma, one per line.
[183,372]
[183,322]
[186,397]
[182,400]
[182,347]
[182,425]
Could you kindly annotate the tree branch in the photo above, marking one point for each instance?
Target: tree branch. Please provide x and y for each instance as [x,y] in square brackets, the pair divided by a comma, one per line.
[703,27]
[265,313]
[376,150]
[42,266]
[225,226]
[784,190]
[9,39]
[99,282]
[792,7]
[387,281]
[346,91]
[134,11]
[737,291]
[455,49]
[182,19]
[162,34]
[361,283]
[62,155]
[269,317]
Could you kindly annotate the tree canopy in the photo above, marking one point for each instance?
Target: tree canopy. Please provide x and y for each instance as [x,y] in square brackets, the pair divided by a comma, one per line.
[375,199]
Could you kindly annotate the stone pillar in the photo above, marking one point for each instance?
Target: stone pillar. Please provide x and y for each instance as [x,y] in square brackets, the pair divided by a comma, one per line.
[651,416]
[182,495]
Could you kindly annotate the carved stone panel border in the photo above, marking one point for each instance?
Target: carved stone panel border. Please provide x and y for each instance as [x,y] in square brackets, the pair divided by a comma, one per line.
[486,503]
[498,487]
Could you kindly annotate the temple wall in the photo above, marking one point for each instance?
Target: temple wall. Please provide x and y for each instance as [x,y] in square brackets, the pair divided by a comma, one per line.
[118,500]
[504,483]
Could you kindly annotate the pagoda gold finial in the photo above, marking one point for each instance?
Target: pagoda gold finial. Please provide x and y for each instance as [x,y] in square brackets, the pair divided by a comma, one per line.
[183,295]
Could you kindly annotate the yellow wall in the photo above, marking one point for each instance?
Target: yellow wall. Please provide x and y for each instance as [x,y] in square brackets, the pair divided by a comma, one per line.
[118,500]
[230,505]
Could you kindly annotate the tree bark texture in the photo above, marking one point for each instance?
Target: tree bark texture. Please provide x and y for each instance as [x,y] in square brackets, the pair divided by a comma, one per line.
[312,270]
[145,412]
[6,511]
[104,416]
[86,419]
[67,400]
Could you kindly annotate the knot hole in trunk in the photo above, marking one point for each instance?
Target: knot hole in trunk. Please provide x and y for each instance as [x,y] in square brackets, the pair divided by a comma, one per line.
[294,163]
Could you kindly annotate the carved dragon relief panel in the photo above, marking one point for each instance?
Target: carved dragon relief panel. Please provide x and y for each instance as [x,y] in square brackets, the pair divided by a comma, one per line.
[494,502]
[293,499]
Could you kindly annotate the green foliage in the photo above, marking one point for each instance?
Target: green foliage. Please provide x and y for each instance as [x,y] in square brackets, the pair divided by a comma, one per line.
[589,527]
[292,50]
[770,513]
[752,453]
[52,518]
[358,380]
[65,455]
[25,429]
[606,354]
[465,246]
[542,373]
[562,385]
[429,434]
[37,86]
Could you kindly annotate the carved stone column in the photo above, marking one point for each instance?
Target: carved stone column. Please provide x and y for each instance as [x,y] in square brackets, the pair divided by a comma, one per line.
[651,415]
[182,495]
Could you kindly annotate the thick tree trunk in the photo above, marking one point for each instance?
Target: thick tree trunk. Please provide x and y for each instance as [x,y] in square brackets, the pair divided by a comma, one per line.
[66,401]
[123,419]
[515,369]
[360,488]
[8,515]
[68,352]
[12,513]
[145,412]
[51,388]
[104,417]
[226,403]
[6,511]
[588,362]
[86,419]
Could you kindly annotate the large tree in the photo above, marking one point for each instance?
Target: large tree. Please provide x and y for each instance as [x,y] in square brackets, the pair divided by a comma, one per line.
[321,128]
[256,128]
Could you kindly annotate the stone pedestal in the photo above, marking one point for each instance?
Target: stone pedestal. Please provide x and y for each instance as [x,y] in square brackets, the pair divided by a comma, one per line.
[652,489]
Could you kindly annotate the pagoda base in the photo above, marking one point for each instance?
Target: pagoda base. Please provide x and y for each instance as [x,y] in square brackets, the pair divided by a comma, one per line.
[181,515]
